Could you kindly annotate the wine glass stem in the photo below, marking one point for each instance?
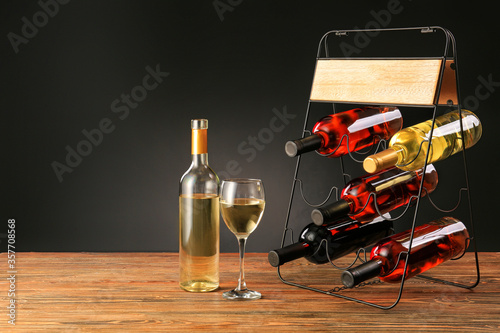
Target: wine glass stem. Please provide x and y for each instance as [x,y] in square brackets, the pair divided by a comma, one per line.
[241,281]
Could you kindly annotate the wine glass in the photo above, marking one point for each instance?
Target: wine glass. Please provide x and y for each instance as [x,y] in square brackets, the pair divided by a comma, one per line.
[242,205]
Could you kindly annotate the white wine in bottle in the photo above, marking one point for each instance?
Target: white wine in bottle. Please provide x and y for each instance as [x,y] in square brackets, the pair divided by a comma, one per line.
[408,147]
[199,218]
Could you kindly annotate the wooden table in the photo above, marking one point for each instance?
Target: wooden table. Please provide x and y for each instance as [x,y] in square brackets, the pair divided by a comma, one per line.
[127,292]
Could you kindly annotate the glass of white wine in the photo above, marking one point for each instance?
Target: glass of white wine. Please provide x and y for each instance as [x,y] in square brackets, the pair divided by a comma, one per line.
[242,204]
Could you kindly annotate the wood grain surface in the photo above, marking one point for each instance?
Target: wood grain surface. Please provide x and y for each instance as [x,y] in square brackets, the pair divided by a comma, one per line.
[126,292]
[379,81]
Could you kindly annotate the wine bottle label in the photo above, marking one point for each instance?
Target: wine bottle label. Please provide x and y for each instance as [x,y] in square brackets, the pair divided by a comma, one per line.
[383,184]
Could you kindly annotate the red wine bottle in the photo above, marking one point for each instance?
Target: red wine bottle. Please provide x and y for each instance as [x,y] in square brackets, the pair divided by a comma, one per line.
[393,188]
[364,127]
[433,244]
[343,238]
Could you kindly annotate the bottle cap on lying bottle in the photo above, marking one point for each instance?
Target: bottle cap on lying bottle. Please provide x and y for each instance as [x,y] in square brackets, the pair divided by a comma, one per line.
[363,272]
[380,161]
[304,145]
[331,212]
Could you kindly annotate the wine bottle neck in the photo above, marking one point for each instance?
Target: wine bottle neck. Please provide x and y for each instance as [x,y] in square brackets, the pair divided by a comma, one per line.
[199,151]
[335,211]
[288,253]
[304,145]
[199,141]
[382,160]
[199,159]
[363,272]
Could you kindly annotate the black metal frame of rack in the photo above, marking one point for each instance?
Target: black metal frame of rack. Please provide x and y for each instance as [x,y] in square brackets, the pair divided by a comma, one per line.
[450,45]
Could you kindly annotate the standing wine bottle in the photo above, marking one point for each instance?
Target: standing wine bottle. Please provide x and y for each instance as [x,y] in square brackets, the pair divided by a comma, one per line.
[364,127]
[433,244]
[342,238]
[393,188]
[404,147]
[199,218]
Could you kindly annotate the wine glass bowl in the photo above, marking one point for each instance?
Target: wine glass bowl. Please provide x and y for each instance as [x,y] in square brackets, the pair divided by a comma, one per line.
[242,203]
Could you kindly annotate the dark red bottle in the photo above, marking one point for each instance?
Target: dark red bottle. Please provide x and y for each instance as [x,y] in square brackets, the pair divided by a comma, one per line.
[393,188]
[343,237]
[364,126]
[433,244]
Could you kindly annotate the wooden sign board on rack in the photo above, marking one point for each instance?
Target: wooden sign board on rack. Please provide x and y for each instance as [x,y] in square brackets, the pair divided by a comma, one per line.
[383,81]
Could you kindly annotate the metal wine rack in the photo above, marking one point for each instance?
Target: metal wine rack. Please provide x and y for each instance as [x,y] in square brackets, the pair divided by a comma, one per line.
[446,94]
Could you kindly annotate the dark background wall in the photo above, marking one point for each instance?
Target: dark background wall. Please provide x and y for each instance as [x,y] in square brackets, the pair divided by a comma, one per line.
[244,65]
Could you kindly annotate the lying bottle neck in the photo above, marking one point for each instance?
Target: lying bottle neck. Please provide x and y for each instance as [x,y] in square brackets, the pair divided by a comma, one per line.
[288,253]
[381,161]
[330,213]
[363,272]
[304,145]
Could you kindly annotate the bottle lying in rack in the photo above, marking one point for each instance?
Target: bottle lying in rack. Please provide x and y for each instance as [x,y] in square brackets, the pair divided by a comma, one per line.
[433,244]
[408,147]
[340,239]
[363,128]
[393,188]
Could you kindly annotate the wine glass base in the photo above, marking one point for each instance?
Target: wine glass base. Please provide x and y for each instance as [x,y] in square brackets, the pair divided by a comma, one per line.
[241,294]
